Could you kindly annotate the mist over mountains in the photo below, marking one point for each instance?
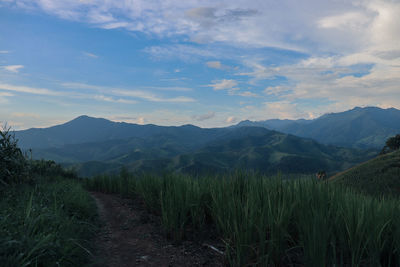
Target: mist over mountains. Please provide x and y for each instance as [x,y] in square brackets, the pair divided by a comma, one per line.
[331,142]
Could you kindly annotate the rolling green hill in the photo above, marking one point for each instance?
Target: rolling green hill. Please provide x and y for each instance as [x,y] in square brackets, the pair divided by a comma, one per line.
[377,176]
[246,148]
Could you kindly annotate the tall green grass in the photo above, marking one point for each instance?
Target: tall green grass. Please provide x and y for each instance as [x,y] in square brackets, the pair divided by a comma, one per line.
[46,224]
[271,221]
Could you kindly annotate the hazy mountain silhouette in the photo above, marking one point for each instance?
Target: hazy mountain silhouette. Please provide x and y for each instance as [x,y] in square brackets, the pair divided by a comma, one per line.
[366,127]
[86,129]
[96,145]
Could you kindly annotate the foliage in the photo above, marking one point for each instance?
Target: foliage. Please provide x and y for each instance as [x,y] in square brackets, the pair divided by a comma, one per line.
[244,148]
[392,144]
[17,168]
[270,221]
[46,224]
[48,168]
[13,165]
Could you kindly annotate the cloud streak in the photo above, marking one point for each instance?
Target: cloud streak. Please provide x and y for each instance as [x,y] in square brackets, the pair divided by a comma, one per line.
[204,117]
[29,90]
[224,84]
[91,55]
[152,97]
[13,68]
[140,94]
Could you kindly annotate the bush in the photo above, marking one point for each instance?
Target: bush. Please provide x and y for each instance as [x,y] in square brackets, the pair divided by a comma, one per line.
[13,165]
[392,144]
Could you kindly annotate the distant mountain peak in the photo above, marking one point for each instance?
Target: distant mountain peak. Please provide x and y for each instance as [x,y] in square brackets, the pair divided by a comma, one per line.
[86,118]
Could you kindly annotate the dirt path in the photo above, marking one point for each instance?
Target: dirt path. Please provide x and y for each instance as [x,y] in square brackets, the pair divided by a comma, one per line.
[133,237]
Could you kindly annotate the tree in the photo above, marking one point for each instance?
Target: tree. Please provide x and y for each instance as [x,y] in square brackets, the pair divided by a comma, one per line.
[13,165]
[392,144]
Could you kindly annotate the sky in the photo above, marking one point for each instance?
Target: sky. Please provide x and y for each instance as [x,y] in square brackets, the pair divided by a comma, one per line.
[202,62]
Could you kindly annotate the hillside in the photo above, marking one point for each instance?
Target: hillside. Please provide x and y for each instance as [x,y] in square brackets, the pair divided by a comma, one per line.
[244,148]
[377,176]
[366,127]
[95,146]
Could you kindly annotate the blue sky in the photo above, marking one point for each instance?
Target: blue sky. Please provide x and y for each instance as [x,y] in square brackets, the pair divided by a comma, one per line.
[207,63]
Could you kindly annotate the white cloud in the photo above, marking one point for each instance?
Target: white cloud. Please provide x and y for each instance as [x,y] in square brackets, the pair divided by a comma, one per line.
[110,99]
[312,25]
[223,84]
[152,97]
[245,93]
[275,110]
[141,120]
[217,65]
[141,94]
[204,117]
[98,17]
[4,97]
[13,68]
[214,64]
[73,85]
[90,55]
[29,90]
[276,90]
[349,21]
[4,52]
[231,119]
[25,115]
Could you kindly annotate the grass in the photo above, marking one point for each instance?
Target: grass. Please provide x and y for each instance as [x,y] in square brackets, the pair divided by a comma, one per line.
[49,223]
[271,221]
[379,176]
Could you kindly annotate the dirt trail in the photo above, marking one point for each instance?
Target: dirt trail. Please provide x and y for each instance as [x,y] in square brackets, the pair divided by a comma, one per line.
[133,237]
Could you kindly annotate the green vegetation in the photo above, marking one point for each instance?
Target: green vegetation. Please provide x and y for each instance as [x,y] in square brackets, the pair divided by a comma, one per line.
[13,166]
[47,224]
[271,221]
[244,148]
[392,144]
[46,217]
[379,176]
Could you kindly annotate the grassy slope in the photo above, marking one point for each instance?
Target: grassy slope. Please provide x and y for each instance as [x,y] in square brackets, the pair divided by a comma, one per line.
[380,175]
[49,223]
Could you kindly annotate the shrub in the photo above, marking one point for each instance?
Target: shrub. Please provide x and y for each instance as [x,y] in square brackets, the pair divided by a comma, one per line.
[13,165]
[392,144]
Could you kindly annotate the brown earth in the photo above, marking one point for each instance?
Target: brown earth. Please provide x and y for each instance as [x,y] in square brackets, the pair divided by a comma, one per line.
[131,236]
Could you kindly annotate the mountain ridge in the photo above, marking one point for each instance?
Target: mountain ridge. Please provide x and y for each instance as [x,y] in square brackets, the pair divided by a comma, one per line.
[367,127]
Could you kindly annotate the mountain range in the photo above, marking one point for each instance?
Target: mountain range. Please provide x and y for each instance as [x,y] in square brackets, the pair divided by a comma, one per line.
[95,145]
[366,127]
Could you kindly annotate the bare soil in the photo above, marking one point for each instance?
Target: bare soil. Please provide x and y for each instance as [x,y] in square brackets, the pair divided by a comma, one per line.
[131,236]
